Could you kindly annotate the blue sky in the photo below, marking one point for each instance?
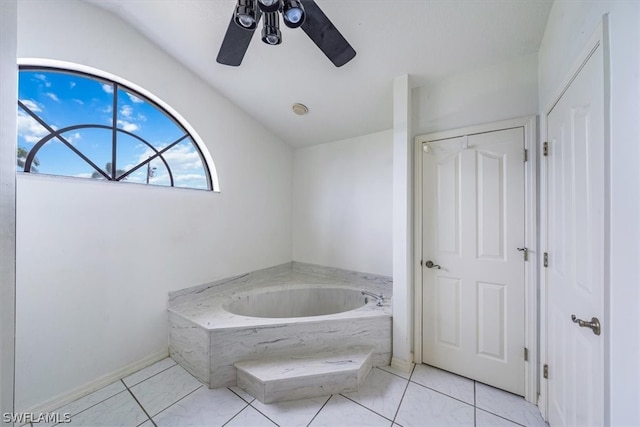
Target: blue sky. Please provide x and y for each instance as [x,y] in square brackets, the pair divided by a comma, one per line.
[64,99]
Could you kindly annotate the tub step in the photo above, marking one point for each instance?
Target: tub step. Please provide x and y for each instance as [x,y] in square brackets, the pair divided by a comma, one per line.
[298,377]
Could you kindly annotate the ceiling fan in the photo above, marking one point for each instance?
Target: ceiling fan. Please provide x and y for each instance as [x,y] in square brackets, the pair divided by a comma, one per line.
[305,14]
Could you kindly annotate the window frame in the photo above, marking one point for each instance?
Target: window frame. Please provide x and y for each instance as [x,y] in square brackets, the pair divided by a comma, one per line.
[39,64]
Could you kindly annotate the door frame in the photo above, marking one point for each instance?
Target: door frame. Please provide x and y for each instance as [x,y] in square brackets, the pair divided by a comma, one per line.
[530,127]
[599,38]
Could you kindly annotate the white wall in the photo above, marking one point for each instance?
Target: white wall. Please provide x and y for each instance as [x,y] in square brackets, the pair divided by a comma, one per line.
[402,224]
[503,91]
[8,84]
[96,259]
[569,27]
[342,199]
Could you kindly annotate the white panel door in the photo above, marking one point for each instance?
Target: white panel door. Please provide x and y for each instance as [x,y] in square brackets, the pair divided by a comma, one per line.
[473,223]
[575,273]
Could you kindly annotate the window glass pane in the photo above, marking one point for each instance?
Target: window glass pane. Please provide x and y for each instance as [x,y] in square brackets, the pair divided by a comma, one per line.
[146,120]
[186,165]
[29,133]
[64,99]
[87,111]
[130,153]
[95,144]
[55,158]
[158,173]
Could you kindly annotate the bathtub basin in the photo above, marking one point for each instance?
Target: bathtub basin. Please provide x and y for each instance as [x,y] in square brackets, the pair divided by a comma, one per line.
[296,302]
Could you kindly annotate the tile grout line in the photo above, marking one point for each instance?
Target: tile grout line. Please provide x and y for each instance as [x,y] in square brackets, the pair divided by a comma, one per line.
[183,397]
[319,410]
[475,408]
[490,412]
[148,378]
[239,412]
[95,404]
[121,380]
[245,400]
[262,413]
[444,394]
[500,416]
[139,404]
[366,407]
[406,387]
[392,373]
[413,369]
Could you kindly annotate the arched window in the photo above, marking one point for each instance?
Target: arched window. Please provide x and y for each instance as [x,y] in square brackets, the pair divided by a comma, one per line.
[73,123]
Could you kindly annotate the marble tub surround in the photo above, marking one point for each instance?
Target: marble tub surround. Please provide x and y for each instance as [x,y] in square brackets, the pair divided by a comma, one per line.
[252,279]
[207,340]
[285,273]
[380,283]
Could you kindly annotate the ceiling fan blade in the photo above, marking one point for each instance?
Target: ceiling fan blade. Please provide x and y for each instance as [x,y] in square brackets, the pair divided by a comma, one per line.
[235,43]
[325,35]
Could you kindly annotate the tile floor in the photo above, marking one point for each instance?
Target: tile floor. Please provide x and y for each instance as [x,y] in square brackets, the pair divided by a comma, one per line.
[164,394]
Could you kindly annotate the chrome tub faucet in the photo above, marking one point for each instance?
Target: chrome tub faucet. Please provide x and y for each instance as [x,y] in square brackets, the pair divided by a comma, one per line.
[379,298]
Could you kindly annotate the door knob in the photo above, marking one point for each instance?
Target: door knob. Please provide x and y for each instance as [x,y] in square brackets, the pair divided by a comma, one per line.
[525,252]
[430,264]
[594,324]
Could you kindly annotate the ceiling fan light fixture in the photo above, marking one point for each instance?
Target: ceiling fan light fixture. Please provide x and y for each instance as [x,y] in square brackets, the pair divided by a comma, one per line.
[245,15]
[268,6]
[293,13]
[271,30]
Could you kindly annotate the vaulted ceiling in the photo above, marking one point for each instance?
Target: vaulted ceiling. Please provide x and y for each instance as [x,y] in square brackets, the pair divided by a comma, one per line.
[428,39]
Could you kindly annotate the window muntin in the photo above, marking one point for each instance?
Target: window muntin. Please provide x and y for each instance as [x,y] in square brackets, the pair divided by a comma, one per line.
[66,127]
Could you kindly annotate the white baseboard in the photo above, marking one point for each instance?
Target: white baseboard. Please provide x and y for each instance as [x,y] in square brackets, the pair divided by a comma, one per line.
[68,397]
[403,365]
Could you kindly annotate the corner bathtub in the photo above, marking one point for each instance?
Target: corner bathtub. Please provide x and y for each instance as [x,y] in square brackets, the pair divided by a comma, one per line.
[209,335]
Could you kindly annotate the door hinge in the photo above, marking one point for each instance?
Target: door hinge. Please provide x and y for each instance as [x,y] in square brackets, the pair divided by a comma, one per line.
[545,371]
[526,155]
[545,260]
[526,354]
[545,148]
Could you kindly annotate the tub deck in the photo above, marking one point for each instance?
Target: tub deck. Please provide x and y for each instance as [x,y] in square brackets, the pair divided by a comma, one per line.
[207,340]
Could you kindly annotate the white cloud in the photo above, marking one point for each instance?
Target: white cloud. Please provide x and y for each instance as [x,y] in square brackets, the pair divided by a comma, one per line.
[134,98]
[128,126]
[43,79]
[53,96]
[84,175]
[79,101]
[31,104]
[72,85]
[189,177]
[73,137]
[29,129]
[126,111]
[107,88]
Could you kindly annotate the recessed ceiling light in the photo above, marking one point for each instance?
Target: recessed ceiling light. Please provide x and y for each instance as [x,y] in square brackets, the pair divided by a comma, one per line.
[300,109]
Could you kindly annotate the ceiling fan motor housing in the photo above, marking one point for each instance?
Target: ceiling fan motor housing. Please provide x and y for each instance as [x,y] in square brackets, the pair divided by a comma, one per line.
[269,5]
